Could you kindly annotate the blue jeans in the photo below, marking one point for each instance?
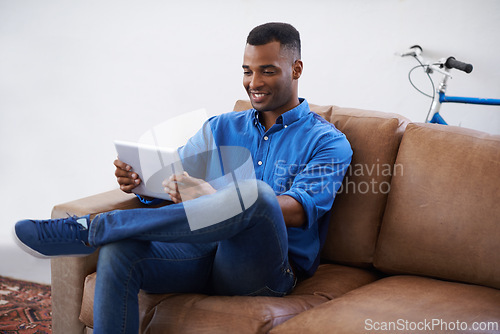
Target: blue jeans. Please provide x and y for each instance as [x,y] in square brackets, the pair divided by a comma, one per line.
[156,251]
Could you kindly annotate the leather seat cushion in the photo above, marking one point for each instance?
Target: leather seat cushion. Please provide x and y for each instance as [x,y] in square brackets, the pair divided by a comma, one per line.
[399,301]
[195,313]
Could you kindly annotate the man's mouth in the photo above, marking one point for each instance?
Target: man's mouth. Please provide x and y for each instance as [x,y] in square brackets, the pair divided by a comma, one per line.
[258,97]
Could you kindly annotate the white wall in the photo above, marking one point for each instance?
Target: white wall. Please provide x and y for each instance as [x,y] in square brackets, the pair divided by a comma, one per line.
[75,75]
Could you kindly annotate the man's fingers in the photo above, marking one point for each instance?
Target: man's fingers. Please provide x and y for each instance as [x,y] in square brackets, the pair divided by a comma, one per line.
[127,187]
[126,178]
[170,188]
[180,179]
[128,181]
[121,165]
[123,170]
[121,173]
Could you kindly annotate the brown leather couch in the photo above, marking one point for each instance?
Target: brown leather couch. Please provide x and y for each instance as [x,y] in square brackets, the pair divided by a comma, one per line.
[413,245]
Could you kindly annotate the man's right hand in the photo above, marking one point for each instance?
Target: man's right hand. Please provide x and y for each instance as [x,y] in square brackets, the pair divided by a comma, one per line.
[127,179]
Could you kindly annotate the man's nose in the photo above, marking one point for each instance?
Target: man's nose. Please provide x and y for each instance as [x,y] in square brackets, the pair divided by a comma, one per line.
[255,81]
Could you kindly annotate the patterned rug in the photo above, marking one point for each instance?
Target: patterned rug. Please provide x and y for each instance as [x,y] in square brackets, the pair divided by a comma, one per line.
[25,307]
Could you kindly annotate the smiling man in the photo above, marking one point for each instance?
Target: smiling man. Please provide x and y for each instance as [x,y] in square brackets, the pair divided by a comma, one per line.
[299,161]
[271,81]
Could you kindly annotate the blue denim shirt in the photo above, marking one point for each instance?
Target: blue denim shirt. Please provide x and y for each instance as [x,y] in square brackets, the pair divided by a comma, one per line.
[301,155]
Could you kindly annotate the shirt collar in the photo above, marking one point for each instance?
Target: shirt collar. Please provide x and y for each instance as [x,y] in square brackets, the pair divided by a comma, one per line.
[294,114]
[290,116]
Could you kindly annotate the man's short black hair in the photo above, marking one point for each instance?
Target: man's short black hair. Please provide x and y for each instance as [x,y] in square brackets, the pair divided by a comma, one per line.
[284,33]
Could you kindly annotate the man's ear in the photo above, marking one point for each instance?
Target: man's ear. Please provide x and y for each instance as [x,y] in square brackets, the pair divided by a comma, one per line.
[297,68]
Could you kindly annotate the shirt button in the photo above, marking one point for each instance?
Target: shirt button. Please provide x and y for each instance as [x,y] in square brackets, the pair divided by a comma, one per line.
[286,126]
[259,163]
[266,137]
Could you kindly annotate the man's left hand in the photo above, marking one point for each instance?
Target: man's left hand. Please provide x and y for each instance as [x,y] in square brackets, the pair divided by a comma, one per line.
[184,187]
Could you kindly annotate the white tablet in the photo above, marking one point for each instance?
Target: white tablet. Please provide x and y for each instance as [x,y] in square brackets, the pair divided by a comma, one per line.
[153,164]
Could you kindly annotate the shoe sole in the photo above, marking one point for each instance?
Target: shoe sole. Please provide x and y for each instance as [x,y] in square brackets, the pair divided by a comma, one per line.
[35,253]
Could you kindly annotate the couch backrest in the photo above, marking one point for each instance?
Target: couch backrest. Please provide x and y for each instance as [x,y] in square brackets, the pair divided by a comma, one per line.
[443,212]
[359,205]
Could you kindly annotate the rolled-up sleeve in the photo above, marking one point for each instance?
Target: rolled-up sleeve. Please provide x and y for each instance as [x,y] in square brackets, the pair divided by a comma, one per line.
[316,185]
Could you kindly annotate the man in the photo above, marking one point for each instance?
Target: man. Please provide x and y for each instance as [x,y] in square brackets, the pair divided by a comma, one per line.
[299,162]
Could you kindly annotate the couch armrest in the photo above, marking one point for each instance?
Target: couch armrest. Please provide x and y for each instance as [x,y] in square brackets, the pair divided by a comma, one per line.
[68,273]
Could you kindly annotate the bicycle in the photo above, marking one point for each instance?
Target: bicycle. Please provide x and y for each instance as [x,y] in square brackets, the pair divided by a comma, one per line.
[439,96]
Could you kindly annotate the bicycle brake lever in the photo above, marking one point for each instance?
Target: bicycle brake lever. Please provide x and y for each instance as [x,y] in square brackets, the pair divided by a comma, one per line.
[413,51]
[438,67]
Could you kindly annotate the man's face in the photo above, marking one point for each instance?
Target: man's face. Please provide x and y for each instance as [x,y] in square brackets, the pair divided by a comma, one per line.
[270,77]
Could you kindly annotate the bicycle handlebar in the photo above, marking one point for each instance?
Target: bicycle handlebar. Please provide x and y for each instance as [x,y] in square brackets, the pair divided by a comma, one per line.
[451,62]
[416,50]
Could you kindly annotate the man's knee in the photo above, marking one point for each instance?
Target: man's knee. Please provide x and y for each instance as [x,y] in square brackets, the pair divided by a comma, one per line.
[265,192]
[121,252]
[256,192]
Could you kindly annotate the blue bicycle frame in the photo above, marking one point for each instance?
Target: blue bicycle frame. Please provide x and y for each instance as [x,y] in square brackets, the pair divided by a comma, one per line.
[469,100]
[436,118]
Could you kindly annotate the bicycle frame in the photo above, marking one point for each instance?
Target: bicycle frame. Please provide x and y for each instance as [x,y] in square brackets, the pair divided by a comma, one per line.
[441,97]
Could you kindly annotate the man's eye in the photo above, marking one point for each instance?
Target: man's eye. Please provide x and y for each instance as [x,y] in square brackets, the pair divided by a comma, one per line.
[247,72]
[268,72]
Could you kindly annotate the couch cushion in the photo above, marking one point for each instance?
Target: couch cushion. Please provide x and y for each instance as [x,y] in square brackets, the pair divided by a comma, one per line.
[404,304]
[195,313]
[359,205]
[442,216]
